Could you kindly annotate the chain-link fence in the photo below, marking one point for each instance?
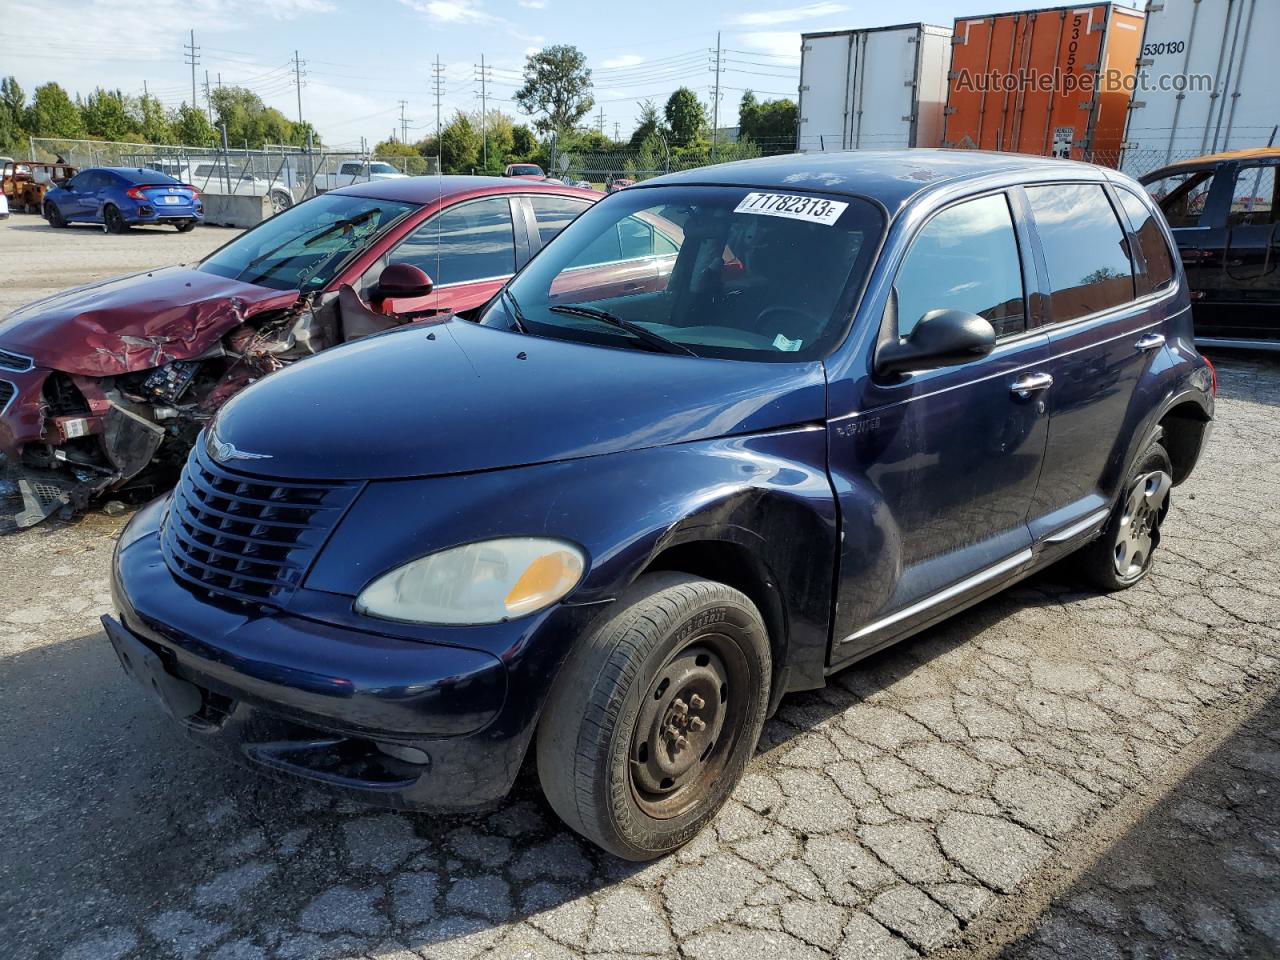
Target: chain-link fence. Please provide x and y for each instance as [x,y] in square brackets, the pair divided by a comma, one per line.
[286,175]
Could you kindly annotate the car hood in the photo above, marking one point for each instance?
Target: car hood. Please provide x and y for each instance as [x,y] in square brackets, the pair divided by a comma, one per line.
[458,398]
[135,322]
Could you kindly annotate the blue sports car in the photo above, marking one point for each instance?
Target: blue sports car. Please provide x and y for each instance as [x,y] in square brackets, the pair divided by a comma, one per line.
[121,197]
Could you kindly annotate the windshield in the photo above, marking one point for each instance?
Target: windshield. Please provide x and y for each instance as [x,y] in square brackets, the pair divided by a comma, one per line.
[720,271]
[526,171]
[382,168]
[146,175]
[304,247]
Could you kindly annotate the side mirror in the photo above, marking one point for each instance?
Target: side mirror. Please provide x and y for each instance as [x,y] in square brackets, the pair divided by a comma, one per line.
[402,280]
[942,338]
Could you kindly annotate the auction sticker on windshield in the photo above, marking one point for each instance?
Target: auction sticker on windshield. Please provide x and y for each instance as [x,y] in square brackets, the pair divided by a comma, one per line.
[793,207]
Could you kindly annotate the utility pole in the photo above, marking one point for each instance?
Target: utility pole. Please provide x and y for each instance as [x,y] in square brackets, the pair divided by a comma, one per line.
[600,120]
[404,123]
[192,56]
[208,100]
[484,112]
[715,104]
[437,84]
[297,81]
[615,131]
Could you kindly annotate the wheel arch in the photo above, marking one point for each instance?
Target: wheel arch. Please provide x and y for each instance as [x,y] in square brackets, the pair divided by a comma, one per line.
[1182,430]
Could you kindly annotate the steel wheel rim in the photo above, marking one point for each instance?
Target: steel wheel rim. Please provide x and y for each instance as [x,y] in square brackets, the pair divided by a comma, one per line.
[279,204]
[680,745]
[1139,530]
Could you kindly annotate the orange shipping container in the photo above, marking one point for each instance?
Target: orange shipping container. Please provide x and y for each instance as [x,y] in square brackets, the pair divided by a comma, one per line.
[1055,82]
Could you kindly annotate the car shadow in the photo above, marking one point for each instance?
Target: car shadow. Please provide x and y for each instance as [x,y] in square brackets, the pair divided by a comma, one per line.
[118,822]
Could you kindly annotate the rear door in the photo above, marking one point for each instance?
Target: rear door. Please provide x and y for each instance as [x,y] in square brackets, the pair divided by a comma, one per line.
[1103,338]
[1250,278]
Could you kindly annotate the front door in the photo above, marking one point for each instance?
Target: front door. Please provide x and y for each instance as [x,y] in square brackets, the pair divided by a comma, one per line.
[1250,280]
[935,470]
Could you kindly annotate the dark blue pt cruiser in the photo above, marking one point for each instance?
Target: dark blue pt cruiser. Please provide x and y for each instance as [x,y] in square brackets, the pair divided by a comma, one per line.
[733,430]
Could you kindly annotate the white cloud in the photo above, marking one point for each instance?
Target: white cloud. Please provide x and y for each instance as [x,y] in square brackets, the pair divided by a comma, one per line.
[452,11]
[291,9]
[626,60]
[768,18]
[785,42]
[533,4]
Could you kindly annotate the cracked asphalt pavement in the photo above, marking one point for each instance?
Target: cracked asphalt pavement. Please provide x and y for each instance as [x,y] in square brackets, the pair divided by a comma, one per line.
[1051,774]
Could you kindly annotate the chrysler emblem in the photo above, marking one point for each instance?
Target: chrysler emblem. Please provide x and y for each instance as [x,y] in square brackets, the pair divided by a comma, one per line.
[223,451]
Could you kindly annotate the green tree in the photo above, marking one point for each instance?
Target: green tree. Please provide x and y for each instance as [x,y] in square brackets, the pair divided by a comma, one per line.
[459,145]
[557,86]
[107,114]
[649,123]
[151,121]
[394,148]
[771,123]
[12,102]
[53,114]
[191,127]
[686,117]
[523,143]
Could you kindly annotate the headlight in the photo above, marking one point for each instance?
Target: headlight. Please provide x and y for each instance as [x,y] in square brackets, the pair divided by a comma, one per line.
[486,582]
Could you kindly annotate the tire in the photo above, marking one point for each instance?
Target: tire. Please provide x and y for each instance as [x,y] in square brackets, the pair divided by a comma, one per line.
[280,201]
[186,226]
[112,221]
[655,714]
[1125,551]
[54,215]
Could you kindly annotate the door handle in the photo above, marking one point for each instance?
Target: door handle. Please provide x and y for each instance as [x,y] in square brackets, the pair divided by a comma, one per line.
[1150,341]
[1029,383]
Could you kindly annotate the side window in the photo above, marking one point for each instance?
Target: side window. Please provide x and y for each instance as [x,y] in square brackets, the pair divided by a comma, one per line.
[99,180]
[631,239]
[635,237]
[472,241]
[1156,267]
[1182,196]
[554,214]
[349,169]
[965,258]
[79,182]
[1085,249]
[1253,199]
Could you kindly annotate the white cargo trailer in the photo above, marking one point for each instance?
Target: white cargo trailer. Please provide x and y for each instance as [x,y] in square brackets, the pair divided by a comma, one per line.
[1230,41]
[880,88]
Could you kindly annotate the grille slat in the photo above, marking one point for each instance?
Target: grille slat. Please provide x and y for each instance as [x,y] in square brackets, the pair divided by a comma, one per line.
[243,536]
[7,390]
[15,361]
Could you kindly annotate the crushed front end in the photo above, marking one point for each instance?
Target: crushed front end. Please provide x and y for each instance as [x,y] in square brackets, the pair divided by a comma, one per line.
[67,439]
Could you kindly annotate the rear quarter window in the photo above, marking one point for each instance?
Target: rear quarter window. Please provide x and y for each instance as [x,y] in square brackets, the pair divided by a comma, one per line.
[1154,262]
[1085,249]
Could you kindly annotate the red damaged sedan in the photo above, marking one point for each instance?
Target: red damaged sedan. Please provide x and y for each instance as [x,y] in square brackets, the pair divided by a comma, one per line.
[104,387]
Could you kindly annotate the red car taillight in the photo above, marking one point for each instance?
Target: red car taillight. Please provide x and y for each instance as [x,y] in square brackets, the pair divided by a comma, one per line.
[195,194]
[136,193]
[1213,376]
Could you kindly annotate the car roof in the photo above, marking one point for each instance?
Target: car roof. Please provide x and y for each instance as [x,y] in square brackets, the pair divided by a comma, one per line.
[431,189]
[890,176]
[133,174]
[1213,159]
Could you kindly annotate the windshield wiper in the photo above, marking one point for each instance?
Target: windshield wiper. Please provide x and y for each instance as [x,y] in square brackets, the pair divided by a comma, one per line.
[324,232]
[517,317]
[655,340]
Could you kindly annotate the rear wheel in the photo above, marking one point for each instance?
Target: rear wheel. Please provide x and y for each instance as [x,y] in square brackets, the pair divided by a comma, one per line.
[654,716]
[113,220]
[186,226]
[1123,554]
[54,215]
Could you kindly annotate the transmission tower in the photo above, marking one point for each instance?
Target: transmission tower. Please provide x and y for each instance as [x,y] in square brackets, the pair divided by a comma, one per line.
[484,75]
[298,74]
[192,56]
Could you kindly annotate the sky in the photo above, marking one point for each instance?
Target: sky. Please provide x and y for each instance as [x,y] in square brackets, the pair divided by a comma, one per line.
[362,58]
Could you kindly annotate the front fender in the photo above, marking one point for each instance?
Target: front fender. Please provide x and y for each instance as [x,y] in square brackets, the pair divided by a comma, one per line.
[768,493]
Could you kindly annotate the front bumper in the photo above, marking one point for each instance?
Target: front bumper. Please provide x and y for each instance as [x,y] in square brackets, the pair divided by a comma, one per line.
[295,696]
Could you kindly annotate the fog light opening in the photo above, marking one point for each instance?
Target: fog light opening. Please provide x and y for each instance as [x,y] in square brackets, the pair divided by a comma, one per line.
[407,754]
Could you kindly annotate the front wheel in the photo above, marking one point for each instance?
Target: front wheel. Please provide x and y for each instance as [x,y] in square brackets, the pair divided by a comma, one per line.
[1123,554]
[54,215]
[654,715]
[113,220]
[280,202]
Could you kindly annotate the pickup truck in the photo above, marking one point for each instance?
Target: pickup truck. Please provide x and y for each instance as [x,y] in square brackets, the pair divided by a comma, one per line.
[356,171]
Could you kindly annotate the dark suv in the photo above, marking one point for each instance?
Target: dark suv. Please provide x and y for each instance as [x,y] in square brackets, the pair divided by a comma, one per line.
[731,431]
[1226,222]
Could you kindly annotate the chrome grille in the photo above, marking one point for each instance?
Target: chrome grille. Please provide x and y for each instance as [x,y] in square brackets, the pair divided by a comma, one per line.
[15,361]
[7,390]
[247,537]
